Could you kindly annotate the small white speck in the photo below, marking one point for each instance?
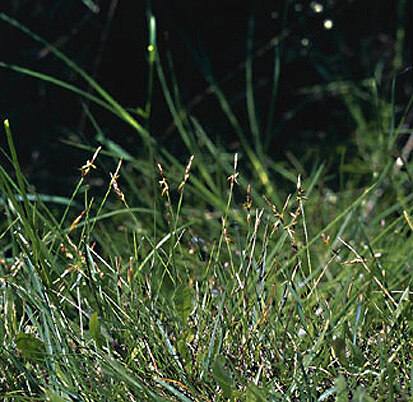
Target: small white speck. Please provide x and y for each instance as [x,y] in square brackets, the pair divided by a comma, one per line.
[399,162]
[328,24]
[317,7]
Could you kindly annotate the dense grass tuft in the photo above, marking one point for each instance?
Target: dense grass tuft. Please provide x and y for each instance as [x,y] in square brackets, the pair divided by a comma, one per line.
[213,275]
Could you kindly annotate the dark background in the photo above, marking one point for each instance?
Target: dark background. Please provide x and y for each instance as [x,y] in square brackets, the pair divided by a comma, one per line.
[111,44]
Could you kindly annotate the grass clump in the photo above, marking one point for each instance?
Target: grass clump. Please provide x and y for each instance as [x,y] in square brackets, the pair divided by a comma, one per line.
[218,284]
[248,302]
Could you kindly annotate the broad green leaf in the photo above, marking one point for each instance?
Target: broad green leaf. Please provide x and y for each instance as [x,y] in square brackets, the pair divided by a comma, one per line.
[184,301]
[184,354]
[183,349]
[30,347]
[222,376]
[357,356]
[94,328]
[341,387]
[256,394]
[360,395]
[339,347]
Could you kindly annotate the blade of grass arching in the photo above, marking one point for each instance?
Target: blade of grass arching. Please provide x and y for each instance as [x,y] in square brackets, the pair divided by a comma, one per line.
[122,112]
[112,154]
[9,227]
[151,63]
[44,198]
[275,79]
[112,214]
[99,51]
[249,81]
[173,107]
[112,146]
[314,180]
[392,137]
[182,112]
[284,172]
[274,92]
[400,34]
[92,6]
[59,83]
[16,167]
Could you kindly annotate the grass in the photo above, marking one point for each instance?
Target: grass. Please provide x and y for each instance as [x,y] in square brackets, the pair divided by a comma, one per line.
[237,278]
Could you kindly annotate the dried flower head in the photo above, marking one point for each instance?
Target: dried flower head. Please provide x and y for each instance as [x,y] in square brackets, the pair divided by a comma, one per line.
[186,176]
[85,169]
[114,182]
